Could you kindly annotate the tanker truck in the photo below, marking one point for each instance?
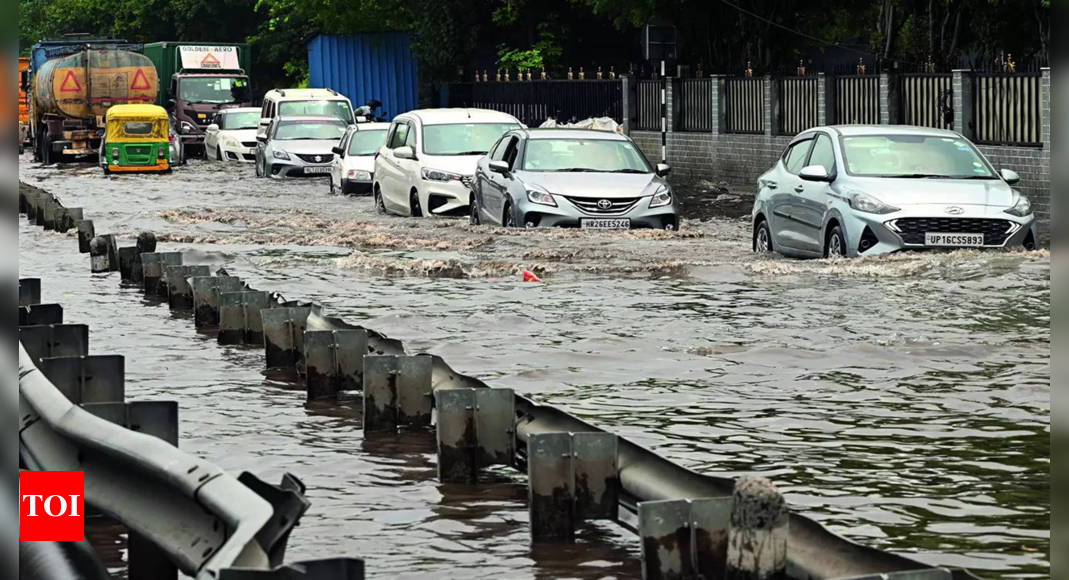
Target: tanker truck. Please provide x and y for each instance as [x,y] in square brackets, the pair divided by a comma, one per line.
[72,85]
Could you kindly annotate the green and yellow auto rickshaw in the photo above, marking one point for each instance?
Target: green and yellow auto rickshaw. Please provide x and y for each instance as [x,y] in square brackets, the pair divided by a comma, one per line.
[137,140]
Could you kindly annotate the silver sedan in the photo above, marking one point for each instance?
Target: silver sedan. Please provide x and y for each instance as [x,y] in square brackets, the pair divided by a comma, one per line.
[571,178]
[298,146]
[864,191]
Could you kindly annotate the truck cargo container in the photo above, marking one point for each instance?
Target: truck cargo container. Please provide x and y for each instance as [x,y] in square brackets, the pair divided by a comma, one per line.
[199,80]
[73,83]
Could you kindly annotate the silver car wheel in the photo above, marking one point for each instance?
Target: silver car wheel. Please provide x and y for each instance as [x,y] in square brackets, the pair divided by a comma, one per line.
[835,246]
[762,245]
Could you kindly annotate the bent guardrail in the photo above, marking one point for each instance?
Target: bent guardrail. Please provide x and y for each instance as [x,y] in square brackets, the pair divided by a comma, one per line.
[691,525]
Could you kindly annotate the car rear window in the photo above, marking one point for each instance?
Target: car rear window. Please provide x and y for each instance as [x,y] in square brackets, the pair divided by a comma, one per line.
[138,128]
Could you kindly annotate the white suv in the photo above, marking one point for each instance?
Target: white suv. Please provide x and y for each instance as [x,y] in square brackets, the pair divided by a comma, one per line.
[428,162]
[303,102]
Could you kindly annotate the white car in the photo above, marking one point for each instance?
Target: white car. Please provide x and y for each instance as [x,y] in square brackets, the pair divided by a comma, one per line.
[232,135]
[428,162]
[303,102]
[354,158]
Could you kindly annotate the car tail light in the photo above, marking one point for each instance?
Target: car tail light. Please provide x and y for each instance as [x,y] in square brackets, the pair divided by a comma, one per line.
[171,138]
[115,153]
[162,153]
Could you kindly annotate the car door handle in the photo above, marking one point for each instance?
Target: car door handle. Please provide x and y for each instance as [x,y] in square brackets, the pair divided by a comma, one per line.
[772,185]
[799,189]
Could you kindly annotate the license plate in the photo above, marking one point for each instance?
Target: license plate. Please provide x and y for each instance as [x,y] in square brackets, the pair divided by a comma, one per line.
[954,240]
[316,170]
[605,224]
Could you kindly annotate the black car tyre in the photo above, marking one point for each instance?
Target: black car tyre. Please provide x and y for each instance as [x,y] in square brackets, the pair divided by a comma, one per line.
[219,154]
[762,238]
[835,247]
[380,206]
[475,212]
[413,204]
[509,219]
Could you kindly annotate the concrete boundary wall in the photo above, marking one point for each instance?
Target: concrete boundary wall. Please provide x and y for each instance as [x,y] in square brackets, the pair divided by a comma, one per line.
[739,160]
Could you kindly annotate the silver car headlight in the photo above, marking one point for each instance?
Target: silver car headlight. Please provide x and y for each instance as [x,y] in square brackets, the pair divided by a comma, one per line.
[1023,207]
[540,196]
[868,204]
[230,142]
[280,155]
[357,175]
[438,175]
[662,198]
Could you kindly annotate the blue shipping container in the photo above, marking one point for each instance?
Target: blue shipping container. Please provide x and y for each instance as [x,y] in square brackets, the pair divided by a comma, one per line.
[367,66]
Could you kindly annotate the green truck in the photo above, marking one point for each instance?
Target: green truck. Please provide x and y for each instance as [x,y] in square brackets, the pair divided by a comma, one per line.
[197,80]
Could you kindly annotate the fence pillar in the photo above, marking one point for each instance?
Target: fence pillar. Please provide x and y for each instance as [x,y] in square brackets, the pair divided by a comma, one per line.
[625,83]
[719,108]
[1044,106]
[963,104]
[771,102]
[822,99]
[673,90]
[885,99]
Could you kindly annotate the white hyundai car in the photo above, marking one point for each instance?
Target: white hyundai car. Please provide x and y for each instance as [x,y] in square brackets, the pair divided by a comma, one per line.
[232,135]
[354,158]
[428,162]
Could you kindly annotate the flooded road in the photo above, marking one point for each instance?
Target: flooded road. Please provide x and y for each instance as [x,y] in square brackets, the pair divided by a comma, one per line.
[903,401]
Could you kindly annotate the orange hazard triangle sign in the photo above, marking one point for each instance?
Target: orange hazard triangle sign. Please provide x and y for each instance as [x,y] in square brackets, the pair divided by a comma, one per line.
[209,61]
[140,82]
[70,84]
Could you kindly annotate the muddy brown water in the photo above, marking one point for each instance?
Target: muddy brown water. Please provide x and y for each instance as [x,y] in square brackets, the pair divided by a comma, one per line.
[902,401]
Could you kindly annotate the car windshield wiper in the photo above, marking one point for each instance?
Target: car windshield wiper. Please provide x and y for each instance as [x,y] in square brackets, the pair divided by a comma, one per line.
[629,171]
[983,177]
[579,170]
[462,153]
[918,176]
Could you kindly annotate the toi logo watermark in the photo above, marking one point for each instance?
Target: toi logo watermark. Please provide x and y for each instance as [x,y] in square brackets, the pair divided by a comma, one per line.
[51,506]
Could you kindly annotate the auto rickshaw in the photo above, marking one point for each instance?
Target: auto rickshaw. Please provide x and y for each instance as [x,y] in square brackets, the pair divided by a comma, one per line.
[137,139]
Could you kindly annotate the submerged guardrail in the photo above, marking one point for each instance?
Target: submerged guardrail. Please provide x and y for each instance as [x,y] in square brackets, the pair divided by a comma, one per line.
[691,525]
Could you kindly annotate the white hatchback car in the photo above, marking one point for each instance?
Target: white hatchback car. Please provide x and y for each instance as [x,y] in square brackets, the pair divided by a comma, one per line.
[353,167]
[428,162]
[232,135]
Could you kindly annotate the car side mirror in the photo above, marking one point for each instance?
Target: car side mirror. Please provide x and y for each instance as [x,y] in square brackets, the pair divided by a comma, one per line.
[1010,176]
[404,153]
[262,138]
[663,169]
[212,127]
[816,173]
[498,167]
[338,151]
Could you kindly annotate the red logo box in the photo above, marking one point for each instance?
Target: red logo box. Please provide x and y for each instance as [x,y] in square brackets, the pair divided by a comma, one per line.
[51,506]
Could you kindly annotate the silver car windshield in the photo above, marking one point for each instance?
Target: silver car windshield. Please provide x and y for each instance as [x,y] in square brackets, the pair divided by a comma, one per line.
[463,139]
[914,156]
[366,143]
[310,131]
[583,156]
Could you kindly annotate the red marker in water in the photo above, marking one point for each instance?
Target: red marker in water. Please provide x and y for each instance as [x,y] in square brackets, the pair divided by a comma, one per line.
[529,276]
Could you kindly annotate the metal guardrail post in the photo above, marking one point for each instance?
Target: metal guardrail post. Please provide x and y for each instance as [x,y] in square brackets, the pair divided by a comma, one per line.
[684,538]
[334,361]
[104,254]
[207,297]
[127,255]
[179,293]
[145,561]
[40,314]
[146,244]
[573,478]
[283,335]
[240,316]
[154,265]
[29,291]
[757,540]
[86,233]
[54,340]
[88,379]
[397,392]
[68,219]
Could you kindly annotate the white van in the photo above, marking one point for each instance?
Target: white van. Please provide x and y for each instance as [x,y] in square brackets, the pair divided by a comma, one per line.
[303,102]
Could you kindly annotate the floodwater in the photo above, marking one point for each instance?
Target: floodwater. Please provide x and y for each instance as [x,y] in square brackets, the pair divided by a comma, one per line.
[902,401]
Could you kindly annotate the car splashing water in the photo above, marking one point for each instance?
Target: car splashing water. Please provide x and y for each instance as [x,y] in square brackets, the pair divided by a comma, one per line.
[902,401]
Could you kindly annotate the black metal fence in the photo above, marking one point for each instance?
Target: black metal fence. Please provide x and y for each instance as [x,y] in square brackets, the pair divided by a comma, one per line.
[926,100]
[745,105]
[1007,108]
[857,100]
[532,102]
[799,104]
[648,105]
[696,105]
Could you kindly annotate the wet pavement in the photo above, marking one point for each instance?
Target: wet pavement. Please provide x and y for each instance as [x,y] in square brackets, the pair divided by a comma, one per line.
[902,401]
